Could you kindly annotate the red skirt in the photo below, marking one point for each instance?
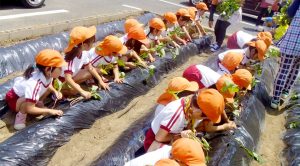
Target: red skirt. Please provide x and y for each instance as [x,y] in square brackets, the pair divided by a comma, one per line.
[149,138]
[232,42]
[11,100]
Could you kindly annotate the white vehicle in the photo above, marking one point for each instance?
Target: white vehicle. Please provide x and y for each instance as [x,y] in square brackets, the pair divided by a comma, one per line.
[33,3]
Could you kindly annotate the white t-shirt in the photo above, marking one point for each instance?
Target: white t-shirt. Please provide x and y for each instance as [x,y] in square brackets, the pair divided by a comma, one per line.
[198,17]
[124,38]
[151,158]
[152,37]
[97,60]
[209,76]
[168,30]
[158,108]
[74,66]
[171,118]
[244,51]
[243,38]
[33,88]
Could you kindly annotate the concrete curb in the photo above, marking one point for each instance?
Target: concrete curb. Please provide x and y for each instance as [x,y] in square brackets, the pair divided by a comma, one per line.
[52,28]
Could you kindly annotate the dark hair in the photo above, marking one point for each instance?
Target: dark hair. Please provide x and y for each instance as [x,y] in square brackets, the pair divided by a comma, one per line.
[150,31]
[194,100]
[134,45]
[184,93]
[28,72]
[76,51]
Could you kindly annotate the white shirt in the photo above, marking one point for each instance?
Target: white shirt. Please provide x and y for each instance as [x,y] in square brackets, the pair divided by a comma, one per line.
[151,158]
[245,52]
[74,66]
[168,30]
[97,60]
[152,37]
[236,17]
[33,88]
[198,17]
[243,38]
[209,76]
[171,118]
[158,108]
[124,38]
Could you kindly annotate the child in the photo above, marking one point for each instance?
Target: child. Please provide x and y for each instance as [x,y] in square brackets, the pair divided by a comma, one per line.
[254,51]
[157,26]
[201,9]
[107,52]
[242,78]
[239,39]
[228,63]
[26,95]
[138,42]
[79,69]
[178,87]
[184,18]
[192,28]
[171,23]
[181,114]
[129,23]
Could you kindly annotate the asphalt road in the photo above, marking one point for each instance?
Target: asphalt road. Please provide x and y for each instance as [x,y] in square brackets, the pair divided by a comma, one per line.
[14,16]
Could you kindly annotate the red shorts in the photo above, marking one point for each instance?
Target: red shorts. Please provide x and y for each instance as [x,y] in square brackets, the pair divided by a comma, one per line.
[149,138]
[232,42]
[193,74]
[11,99]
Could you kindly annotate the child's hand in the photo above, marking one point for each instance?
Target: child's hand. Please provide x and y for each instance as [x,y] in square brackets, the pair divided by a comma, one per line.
[104,85]
[118,80]
[231,125]
[186,133]
[177,45]
[55,112]
[58,95]
[86,94]
[151,59]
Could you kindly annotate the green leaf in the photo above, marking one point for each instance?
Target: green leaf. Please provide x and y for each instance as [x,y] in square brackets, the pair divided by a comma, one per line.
[121,63]
[236,113]
[57,84]
[230,87]
[205,144]
[294,125]
[95,93]
[249,152]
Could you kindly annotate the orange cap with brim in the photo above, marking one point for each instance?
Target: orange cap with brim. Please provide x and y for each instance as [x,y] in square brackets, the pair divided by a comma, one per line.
[202,6]
[176,85]
[79,35]
[232,60]
[222,82]
[110,44]
[214,2]
[211,103]
[138,33]
[157,23]
[242,78]
[261,48]
[166,162]
[183,12]
[267,41]
[171,17]
[188,152]
[50,58]
[129,23]
[192,11]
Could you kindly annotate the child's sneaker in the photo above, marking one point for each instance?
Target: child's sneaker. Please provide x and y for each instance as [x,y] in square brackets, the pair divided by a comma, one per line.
[284,94]
[214,49]
[213,45]
[274,104]
[20,121]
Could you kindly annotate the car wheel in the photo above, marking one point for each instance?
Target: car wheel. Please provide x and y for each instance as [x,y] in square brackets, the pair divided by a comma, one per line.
[33,3]
[194,2]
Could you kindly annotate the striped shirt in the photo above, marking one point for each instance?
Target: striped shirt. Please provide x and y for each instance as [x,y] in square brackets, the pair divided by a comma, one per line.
[171,118]
[97,60]
[290,42]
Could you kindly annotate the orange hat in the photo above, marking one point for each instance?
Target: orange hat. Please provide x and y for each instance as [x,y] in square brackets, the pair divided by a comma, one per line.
[109,45]
[201,6]
[176,85]
[261,35]
[50,58]
[183,12]
[188,152]
[138,33]
[211,103]
[192,11]
[223,81]
[79,35]
[267,41]
[261,47]
[171,17]
[214,2]
[166,162]
[232,60]
[242,78]
[129,23]
[157,23]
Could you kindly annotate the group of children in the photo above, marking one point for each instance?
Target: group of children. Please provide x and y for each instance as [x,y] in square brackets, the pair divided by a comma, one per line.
[192,103]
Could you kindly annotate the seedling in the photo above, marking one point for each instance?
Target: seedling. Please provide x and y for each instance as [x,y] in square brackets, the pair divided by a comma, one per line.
[230,87]
[104,69]
[177,31]
[250,153]
[273,52]
[294,125]
[174,52]
[205,145]
[95,93]
[254,82]
[227,8]
[295,96]
[121,63]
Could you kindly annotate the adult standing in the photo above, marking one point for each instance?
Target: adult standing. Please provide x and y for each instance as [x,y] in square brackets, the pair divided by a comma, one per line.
[290,57]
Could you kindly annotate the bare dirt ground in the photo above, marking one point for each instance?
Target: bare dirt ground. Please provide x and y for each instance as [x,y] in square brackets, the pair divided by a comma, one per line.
[86,145]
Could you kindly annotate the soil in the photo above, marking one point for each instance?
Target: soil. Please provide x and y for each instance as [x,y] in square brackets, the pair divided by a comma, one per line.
[88,144]
[271,145]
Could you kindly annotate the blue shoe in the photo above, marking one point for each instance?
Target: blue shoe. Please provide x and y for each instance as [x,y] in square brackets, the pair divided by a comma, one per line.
[214,49]
[213,45]
[274,104]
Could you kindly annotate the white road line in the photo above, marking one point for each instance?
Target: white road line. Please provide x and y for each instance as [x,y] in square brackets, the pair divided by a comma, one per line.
[32,14]
[248,23]
[132,7]
[173,3]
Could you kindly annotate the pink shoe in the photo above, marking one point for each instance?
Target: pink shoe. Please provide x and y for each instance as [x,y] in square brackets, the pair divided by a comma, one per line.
[20,121]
